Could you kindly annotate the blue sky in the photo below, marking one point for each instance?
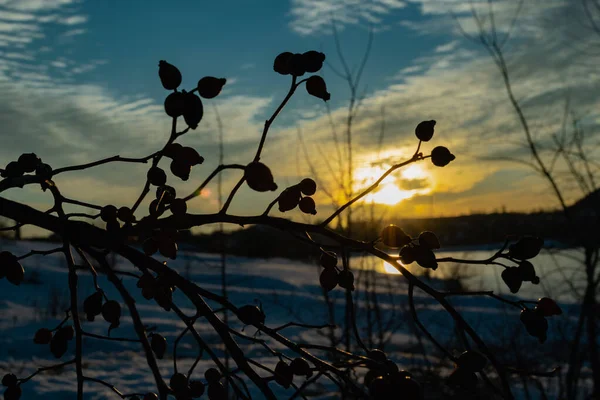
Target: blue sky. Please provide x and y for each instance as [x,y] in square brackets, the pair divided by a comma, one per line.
[78,82]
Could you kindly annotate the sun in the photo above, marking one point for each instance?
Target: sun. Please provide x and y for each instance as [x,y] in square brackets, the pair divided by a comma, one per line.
[388,192]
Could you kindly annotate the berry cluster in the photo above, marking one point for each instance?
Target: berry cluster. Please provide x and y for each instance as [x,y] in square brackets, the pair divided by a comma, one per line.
[332,276]
[27,163]
[525,248]
[292,197]
[440,155]
[535,320]
[160,289]
[183,103]
[164,241]
[284,373]
[412,249]
[385,381]
[467,365]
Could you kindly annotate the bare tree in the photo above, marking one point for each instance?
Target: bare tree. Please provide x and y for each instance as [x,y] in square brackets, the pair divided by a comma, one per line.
[577,165]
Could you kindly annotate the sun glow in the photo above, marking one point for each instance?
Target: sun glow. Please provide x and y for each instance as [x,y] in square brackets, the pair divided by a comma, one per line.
[390,269]
[388,192]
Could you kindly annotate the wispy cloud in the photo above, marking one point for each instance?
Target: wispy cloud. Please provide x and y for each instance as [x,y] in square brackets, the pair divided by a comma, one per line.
[459,86]
[311,17]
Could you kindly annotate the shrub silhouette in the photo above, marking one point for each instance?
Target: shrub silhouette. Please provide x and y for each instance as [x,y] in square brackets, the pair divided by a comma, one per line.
[298,367]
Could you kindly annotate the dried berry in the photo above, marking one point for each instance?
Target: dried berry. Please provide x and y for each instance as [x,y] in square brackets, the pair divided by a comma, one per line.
[377,355]
[12,170]
[300,367]
[42,336]
[28,162]
[92,305]
[346,279]
[429,240]
[289,199]
[251,315]
[169,75]
[157,176]
[178,382]
[259,177]
[196,389]
[394,236]
[111,312]
[424,130]
[209,86]
[166,194]
[194,110]
[441,156]
[283,374]
[313,61]
[425,257]
[108,213]
[190,156]
[282,64]
[14,272]
[181,170]
[328,259]
[527,247]
[513,279]
[159,345]
[178,207]
[527,271]
[547,307]
[172,150]
[308,187]
[535,323]
[328,279]
[156,208]
[125,214]
[296,65]
[175,104]
[307,205]
[9,380]
[407,255]
[43,171]
[212,375]
[58,346]
[316,86]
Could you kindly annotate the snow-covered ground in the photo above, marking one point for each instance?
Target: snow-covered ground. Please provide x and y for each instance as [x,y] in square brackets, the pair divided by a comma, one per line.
[288,291]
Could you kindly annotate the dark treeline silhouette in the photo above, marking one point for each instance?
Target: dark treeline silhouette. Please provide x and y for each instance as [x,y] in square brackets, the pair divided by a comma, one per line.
[259,241]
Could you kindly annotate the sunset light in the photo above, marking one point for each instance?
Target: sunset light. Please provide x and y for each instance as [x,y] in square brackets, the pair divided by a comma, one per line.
[390,191]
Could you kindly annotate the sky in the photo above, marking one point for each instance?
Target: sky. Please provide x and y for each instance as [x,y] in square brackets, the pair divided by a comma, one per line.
[79,82]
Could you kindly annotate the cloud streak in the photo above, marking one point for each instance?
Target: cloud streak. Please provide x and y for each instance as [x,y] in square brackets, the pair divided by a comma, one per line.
[310,17]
